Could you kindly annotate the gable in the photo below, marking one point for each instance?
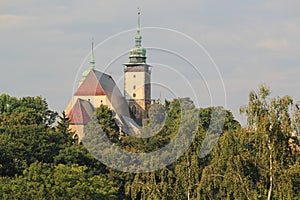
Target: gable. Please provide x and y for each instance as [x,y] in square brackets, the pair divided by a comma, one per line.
[90,86]
[81,113]
[97,84]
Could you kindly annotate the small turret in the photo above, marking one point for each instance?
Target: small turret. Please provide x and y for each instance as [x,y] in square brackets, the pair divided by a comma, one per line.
[92,65]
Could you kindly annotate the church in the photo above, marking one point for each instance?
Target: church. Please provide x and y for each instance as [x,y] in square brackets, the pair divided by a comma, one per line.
[97,88]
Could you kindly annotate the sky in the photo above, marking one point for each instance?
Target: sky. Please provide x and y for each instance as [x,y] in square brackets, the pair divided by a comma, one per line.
[215,52]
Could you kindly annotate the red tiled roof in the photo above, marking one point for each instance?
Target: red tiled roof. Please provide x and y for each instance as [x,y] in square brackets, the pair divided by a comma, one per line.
[90,86]
[97,83]
[81,112]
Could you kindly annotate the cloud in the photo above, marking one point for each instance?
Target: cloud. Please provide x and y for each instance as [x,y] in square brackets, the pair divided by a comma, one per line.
[293,26]
[273,44]
[13,21]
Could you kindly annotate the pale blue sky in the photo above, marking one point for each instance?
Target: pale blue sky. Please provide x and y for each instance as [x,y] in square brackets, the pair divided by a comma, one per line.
[43,44]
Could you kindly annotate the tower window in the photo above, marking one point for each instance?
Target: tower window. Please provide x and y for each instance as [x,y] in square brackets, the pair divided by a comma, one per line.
[134,87]
[134,95]
[133,109]
[134,76]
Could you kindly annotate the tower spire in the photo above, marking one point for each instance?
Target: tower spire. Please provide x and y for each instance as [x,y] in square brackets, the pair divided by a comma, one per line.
[138,37]
[138,53]
[92,60]
[139,20]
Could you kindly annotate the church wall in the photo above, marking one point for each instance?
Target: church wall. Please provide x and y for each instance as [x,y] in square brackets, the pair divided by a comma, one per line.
[96,101]
[78,129]
[69,106]
[148,87]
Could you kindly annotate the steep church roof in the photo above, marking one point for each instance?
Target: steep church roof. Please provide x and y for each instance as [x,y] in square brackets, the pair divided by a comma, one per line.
[82,112]
[91,86]
[97,83]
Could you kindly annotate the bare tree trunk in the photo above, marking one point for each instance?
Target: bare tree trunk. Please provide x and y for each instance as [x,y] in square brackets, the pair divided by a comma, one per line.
[189,177]
[271,169]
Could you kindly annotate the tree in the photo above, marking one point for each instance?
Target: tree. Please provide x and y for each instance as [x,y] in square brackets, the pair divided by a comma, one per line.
[23,145]
[62,126]
[257,161]
[270,124]
[72,182]
[26,133]
[107,122]
[78,154]
[25,111]
[231,173]
[180,180]
[45,181]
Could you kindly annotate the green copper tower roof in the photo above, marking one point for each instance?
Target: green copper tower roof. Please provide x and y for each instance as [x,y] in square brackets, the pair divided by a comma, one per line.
[138,53]
[92,63]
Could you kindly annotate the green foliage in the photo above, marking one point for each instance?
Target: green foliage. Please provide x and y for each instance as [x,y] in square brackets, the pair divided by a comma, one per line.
[22,146]
[26,133]
[45,181]
[78,154]
[63,128]
[259,161]
[107,122]
[163,124]
[256,162]
[230,174]
[206,122]
[270,126]
[25,111]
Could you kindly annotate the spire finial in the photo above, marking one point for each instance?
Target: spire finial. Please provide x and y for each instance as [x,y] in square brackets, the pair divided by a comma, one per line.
[139,20]
[138,37]
[92,60]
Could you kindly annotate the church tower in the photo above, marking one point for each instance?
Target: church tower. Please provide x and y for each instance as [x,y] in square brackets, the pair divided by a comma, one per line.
[137,79]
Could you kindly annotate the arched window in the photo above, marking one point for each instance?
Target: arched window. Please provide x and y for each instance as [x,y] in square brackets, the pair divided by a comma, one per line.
[134,95]
[76,138]
[133,109]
